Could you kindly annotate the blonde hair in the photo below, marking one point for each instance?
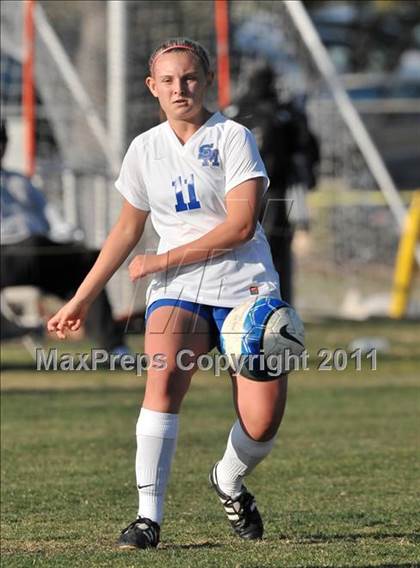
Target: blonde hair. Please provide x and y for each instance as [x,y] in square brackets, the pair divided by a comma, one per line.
[182,44]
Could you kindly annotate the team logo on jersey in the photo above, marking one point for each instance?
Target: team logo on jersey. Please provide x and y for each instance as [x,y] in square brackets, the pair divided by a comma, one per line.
[209,155]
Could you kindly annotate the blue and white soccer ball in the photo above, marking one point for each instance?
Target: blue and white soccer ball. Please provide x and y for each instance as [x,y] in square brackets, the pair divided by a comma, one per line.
[259,332]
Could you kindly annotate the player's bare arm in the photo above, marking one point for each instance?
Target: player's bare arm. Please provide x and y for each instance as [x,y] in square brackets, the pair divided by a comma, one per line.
[243,204]
[120,242]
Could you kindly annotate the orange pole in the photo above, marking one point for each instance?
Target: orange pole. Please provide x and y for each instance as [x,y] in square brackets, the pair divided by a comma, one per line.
[28,86]
[221,18]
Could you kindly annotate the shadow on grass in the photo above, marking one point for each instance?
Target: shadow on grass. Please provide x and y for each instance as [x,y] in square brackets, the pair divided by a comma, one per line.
[317,539]
[192,546]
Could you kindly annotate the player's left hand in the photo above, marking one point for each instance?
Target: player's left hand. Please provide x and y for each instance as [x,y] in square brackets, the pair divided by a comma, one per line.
[144,264]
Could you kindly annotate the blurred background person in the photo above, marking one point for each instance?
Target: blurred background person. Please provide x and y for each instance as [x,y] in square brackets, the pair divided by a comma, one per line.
[38,248]
[291,154]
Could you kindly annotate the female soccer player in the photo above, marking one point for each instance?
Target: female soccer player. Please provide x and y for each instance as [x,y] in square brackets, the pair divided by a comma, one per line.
[201,178]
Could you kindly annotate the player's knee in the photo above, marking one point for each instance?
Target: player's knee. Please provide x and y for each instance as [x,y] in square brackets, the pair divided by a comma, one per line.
[168,390]
[261,429]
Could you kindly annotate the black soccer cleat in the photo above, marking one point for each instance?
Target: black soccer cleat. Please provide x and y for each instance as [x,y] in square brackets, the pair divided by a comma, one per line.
[242,511]
[141,533]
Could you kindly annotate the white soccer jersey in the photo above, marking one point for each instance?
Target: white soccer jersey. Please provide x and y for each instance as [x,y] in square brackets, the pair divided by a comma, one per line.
[184,187]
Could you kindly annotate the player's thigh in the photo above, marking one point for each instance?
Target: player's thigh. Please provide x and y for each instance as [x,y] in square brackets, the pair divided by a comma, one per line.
[260,405]
[177,337]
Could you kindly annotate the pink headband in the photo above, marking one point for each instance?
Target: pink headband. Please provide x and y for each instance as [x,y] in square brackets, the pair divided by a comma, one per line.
[169,49]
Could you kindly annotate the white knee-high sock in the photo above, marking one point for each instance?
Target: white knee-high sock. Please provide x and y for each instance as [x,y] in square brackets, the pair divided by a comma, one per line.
[156,442]
[241,456]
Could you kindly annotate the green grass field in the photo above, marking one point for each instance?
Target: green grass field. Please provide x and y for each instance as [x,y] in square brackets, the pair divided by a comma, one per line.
[341,489]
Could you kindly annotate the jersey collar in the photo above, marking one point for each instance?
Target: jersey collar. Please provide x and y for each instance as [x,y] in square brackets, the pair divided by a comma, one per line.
[211,120]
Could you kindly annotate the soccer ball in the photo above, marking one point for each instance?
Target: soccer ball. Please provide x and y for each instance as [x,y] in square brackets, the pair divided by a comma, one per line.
[260,332]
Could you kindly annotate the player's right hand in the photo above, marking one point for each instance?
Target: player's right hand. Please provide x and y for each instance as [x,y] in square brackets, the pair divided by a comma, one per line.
[69,318]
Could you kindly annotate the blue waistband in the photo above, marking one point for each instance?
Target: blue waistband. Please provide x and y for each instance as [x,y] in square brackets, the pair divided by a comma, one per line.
[199,309]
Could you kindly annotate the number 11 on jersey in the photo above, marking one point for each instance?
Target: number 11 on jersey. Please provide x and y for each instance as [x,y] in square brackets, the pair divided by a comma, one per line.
[180,184]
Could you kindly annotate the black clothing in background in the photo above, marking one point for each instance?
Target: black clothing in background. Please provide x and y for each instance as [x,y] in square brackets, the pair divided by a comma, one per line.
[290,153]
